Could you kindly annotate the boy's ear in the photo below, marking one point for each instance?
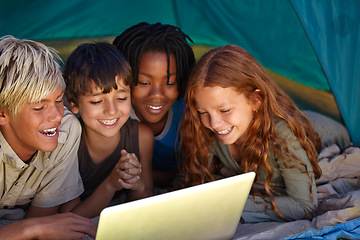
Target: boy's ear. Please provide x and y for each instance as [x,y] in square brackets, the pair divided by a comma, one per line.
[74,108]
[4,119]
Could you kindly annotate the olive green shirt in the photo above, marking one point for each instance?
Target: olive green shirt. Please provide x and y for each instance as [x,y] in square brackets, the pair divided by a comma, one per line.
[291,181]
[50,179]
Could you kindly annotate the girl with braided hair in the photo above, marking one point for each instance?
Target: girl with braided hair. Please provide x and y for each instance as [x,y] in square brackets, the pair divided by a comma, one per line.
[237,120]
[161,59]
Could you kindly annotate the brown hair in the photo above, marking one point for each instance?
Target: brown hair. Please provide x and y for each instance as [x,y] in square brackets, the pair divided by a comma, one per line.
[98,62]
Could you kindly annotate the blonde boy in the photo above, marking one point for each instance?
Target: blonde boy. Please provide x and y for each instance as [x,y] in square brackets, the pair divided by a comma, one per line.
[38,145]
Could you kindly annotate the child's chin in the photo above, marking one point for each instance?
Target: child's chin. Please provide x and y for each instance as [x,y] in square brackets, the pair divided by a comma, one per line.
[227,141]
[48,147]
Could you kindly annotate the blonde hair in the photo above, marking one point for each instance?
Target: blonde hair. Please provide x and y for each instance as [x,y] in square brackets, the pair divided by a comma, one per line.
[29,71]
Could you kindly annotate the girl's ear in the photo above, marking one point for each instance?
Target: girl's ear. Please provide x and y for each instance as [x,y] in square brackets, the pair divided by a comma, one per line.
[74,108]
[4,118]
[257,100]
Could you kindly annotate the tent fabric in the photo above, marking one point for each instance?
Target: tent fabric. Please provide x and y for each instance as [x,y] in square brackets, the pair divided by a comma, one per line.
[57,19]
[333,28]
[270,30]
[312,42]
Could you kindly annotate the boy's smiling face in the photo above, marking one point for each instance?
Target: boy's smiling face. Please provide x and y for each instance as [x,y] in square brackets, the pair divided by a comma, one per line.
[104,114]
[35,127]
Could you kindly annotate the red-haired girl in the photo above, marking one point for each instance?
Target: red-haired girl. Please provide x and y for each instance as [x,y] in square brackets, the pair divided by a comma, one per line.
[238,120]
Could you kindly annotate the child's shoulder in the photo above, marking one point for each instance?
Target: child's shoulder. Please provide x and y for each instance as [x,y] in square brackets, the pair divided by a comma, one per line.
[130,127]
[69,120]
[70,127]
[131,124]
[178,107]
[283,129]
[179,104]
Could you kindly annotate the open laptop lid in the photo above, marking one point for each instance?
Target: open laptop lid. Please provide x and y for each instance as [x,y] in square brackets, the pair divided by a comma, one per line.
[207,211]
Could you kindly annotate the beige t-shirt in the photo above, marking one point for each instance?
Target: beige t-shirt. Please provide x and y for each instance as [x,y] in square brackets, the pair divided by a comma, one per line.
[50,179]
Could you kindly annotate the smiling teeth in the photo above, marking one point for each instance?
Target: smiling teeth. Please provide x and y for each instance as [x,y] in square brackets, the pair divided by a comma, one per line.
[224,131]
[154,107]
[108,122]
[49,132]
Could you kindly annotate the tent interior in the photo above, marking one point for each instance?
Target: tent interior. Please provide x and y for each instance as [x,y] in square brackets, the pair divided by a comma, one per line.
[310,48]
[310,44]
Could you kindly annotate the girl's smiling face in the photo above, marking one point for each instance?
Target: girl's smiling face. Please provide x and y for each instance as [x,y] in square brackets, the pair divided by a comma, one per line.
[225,112]
[154,95]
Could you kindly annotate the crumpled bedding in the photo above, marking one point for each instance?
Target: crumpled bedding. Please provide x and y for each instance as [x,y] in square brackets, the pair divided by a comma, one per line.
[338,203]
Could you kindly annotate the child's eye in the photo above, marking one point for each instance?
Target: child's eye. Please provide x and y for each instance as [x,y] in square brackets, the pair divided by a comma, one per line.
[95,102]
[171,83]
[122,99]
[38,108]
[226,110]
[201,113]
[144,83]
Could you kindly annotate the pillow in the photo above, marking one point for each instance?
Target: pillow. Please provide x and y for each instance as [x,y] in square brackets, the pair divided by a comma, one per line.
[330,131]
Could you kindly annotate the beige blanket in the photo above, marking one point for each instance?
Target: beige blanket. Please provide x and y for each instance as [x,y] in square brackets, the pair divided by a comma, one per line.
[338,195]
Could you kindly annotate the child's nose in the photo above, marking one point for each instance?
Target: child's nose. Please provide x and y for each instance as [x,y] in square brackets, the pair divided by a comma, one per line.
[111,108]
[215,121]
[157,90]
[56,113]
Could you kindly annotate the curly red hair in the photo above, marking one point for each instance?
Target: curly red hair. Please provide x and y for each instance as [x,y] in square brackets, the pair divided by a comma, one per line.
[232,66]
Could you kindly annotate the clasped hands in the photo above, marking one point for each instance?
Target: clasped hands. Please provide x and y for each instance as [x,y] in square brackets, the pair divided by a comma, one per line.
[127,172]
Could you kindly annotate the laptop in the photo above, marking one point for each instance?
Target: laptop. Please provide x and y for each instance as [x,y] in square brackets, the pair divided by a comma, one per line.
[207,211]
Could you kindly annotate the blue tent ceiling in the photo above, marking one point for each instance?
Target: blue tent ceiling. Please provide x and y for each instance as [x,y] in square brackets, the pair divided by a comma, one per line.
[315,42]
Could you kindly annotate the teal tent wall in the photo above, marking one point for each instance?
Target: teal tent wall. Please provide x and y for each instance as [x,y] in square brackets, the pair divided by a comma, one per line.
[333,28]
[315,42]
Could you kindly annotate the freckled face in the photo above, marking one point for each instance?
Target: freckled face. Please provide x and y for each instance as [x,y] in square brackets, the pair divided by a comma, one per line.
[154,95]
[225,112]
[36,126]
[104,113]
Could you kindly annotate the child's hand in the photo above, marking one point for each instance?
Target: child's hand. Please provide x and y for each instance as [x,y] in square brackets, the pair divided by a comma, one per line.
[127,172]
[225,172]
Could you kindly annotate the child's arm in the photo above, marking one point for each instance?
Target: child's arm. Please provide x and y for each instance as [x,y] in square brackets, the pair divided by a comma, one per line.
[59,226]
[128,173]
[40,212]
[101,197]
[300,198]
[146,145]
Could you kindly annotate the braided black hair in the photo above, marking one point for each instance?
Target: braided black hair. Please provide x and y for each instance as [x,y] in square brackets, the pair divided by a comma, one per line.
[165,38]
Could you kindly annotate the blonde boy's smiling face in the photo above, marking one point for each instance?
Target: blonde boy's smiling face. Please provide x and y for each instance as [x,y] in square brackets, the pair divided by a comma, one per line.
[36,126]
[104,114]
